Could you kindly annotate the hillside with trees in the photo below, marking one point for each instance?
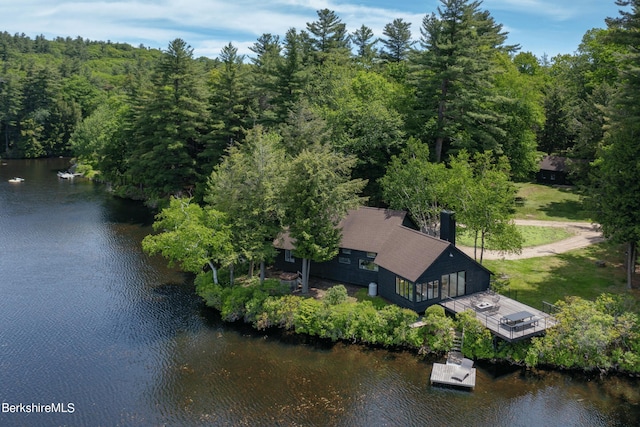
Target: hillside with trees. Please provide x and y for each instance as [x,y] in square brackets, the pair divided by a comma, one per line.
[156,124]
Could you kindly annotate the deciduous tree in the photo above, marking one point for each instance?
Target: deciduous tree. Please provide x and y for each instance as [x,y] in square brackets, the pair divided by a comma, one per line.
[191,236]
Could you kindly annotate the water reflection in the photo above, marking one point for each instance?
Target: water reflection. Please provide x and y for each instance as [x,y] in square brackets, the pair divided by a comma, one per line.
[88,318]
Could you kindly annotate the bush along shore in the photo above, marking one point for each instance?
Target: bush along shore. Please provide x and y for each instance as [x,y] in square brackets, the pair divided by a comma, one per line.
[595,336]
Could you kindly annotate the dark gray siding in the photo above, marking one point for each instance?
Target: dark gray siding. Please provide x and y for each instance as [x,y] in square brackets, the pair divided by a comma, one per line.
[552,177]
[477,279]
[281,264]
[349,273]
[334,270]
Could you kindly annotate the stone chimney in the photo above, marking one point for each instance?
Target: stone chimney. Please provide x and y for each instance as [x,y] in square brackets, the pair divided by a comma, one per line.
[448,226]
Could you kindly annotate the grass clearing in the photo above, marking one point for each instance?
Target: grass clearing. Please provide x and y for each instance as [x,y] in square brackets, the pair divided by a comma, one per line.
[575,273]
[545,203]
[532,235]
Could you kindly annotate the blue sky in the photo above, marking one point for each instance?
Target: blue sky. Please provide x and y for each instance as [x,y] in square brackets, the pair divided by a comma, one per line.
[548,27]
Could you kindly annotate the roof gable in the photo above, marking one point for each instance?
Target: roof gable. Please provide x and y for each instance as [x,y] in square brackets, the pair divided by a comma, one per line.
[553,163]
[401,250]
[409,253]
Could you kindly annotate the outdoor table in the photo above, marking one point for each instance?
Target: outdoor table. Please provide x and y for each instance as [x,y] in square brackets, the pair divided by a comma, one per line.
[515,319]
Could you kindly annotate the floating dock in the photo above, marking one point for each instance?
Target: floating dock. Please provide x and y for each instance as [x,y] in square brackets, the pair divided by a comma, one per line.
[458,375]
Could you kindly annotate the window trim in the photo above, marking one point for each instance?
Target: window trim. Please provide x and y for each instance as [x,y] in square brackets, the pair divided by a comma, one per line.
[288,256]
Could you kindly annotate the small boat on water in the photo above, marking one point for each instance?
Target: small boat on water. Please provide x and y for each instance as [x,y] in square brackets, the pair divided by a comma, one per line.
[16,179]
[65,175]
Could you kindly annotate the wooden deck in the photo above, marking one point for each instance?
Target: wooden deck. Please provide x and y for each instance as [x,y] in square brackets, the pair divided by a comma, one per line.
[445,373]
[504,307]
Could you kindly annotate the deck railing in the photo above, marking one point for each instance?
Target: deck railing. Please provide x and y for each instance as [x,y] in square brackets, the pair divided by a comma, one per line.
[491,320]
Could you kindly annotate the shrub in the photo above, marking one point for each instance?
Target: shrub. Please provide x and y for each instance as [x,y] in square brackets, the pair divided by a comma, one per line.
[307,319]
[336,295]
[278,311]
[436,333]
[477,341]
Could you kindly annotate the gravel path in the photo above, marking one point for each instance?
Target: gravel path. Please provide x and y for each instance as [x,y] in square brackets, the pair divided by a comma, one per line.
[585,234]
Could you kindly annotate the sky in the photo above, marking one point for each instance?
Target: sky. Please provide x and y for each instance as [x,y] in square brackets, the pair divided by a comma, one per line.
[542,27]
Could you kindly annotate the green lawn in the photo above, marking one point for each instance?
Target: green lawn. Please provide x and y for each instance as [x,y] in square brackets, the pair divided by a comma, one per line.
[552,278]
[543,202]
[532,235]
[575,273]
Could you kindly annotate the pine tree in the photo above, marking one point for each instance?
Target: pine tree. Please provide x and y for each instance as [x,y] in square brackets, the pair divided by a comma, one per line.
[364,41]
[455,87]
[614,192]
[398,41]
[229,106]
[330,38]
[171,125]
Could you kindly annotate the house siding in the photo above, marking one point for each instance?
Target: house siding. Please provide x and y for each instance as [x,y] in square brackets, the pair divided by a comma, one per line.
[334,270]
[552,177]
[477,277]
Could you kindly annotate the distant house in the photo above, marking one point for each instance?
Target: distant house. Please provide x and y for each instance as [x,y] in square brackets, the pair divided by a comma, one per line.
[553,170]
[411,269]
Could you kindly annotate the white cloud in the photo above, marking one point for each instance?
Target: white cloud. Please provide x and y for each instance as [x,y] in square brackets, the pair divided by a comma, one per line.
[208,25]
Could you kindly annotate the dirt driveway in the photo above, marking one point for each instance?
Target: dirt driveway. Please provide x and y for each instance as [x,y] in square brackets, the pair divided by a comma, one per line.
[585,234]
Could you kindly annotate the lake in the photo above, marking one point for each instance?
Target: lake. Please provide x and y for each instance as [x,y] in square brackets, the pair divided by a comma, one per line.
[99,334]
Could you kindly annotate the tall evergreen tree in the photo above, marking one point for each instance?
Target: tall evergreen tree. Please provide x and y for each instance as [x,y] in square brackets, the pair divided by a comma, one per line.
[246,186]
[398,41]
[329,36]
[317,194]
[364,41]
[456,85]
[229,105]
[267,63]
[614,194]
[171,125]
[292,75]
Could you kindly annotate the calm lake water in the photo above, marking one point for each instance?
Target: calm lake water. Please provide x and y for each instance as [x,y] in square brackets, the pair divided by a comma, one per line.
[92,325]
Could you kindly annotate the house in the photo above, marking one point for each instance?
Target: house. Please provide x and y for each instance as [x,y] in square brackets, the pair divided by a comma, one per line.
[410,268]
[553,170]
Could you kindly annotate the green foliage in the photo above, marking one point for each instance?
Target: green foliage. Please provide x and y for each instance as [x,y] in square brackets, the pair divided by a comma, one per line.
[377,301]
[436,333]
[589,335]
[477,340]
[336,295]
[413,183]
[457,74]
[482,196]
[317,194]
[191,236]
[246,186]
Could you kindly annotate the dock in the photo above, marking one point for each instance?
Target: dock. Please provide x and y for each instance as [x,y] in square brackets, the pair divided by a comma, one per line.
[457,375]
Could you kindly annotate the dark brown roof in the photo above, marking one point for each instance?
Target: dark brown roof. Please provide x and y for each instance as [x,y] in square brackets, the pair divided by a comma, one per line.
[367,229]
[399,249]
[553,163]
[409,252]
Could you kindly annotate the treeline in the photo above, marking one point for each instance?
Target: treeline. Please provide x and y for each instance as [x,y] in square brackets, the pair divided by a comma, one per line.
[155,124]
[139,114]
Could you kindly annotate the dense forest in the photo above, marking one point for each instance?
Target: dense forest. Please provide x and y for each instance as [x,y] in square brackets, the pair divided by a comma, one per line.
[155,124]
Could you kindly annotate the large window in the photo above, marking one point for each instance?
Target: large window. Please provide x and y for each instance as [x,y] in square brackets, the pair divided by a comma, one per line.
[366,264]
[453,284]
[404,288]
[426,291]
